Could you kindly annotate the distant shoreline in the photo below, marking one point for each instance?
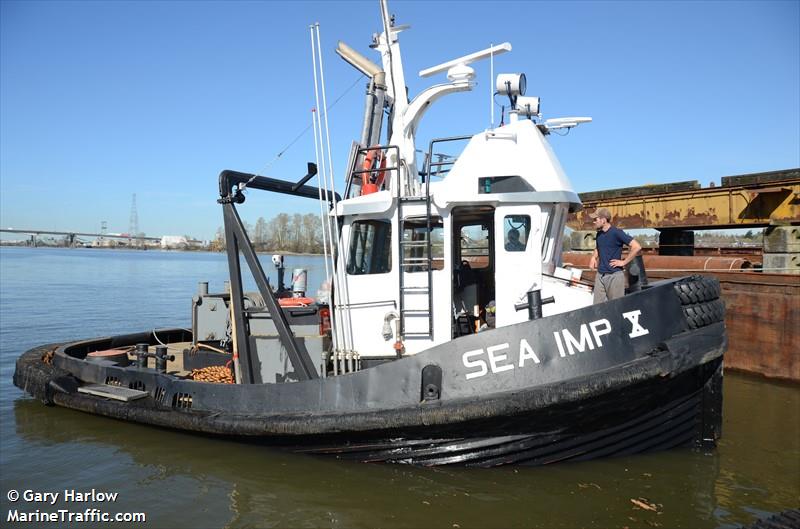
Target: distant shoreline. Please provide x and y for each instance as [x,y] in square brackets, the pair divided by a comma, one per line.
[185,250]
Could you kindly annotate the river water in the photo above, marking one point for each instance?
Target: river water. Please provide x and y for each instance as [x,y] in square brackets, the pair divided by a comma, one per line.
[180,480]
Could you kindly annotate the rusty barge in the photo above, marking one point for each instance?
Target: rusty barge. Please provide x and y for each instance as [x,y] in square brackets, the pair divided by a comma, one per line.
[760,284]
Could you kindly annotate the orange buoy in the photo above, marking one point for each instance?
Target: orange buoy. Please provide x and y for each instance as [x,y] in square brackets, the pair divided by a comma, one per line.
[295,302]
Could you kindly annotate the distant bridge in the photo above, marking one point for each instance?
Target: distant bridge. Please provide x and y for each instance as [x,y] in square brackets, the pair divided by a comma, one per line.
[73,234]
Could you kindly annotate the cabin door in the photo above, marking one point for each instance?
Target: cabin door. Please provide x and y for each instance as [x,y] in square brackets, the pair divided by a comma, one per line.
[370,288]
[518,260]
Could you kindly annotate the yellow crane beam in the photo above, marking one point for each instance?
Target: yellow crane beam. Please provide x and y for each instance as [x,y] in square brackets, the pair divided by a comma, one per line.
[751,200]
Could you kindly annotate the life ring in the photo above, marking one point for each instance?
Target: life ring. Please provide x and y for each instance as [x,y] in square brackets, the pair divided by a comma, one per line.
[369,158]
[381,173]
[295,302]
[376,176]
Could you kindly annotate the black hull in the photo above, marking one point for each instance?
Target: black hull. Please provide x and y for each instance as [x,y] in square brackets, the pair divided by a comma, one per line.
[617,424]
[652,396]
[650,415]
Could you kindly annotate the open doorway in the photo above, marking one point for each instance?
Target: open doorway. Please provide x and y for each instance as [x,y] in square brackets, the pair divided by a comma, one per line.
[473,266]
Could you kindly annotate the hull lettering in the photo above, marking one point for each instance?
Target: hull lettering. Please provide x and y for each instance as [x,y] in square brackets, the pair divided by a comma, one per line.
[495,358]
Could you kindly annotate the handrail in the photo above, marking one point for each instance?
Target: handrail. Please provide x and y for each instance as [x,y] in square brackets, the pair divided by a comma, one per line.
[358,157]
[429,164]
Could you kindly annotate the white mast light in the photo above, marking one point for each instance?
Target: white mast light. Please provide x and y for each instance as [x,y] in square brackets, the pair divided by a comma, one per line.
[528,106]
[511,84]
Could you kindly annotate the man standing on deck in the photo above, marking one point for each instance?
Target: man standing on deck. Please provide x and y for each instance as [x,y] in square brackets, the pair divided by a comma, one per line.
[609,283]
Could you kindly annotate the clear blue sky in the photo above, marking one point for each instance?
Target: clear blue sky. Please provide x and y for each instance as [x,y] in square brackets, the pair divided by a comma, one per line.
[100,100]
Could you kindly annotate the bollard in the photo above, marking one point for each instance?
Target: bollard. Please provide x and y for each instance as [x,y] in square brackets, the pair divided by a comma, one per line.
[141,355]
[161,358]
[534,304]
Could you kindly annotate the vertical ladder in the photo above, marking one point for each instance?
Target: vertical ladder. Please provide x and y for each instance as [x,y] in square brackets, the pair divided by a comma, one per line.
[408,262]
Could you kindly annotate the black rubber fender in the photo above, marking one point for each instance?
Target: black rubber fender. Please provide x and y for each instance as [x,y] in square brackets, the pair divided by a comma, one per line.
[703,314]
[697,289]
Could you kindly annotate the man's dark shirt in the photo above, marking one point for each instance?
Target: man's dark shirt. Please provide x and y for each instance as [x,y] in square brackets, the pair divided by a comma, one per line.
[609,247]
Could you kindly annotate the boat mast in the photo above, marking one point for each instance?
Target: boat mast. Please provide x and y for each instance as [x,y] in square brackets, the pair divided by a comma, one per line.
[388,45]
[405,115]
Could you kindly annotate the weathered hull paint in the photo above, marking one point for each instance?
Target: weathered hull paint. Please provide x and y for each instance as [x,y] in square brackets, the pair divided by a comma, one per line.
[623,377]
[762,316]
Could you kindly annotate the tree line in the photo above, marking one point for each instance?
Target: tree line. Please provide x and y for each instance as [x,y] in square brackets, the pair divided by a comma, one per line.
[283,233]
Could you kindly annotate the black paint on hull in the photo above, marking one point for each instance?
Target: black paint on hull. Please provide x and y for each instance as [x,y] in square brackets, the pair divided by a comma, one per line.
[653,414]
[656,390]
[624,423]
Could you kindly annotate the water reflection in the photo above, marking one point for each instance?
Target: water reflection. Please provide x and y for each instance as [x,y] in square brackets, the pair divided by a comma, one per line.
[188,481]
[182,480]
[760,448]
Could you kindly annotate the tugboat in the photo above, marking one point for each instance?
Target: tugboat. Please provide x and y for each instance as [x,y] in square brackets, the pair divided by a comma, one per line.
[451,335]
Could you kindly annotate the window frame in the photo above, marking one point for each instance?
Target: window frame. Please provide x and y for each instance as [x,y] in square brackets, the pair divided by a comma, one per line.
[415,223]
[358,252]
[470,257]
[526,224]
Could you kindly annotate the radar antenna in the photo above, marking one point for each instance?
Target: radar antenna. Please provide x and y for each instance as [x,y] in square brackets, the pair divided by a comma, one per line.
[458,69]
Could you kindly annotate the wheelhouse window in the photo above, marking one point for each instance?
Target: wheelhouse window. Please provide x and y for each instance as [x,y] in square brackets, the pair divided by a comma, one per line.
[415,246]
[551,238]
[475,245]
[547,222]
[370,247]
[516,230]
